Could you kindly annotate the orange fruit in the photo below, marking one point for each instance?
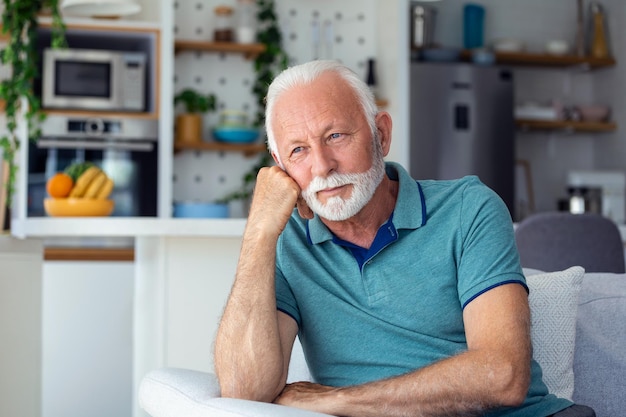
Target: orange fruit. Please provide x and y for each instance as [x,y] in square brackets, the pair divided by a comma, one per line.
[59,185]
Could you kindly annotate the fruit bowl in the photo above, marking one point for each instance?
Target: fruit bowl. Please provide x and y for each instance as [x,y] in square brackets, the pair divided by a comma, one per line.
[78,207]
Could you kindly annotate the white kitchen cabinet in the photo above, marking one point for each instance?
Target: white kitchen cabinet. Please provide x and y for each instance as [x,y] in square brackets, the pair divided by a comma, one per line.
[87,339]
[20,326]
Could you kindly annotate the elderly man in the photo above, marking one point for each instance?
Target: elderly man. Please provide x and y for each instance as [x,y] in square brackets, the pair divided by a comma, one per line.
[407,296]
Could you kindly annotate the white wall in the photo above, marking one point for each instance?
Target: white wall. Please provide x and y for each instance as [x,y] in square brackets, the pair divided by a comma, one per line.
[20,327]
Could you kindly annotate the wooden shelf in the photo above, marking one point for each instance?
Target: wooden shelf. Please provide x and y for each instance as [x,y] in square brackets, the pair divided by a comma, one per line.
[89,254]
[546,60]
[249,50]
[382,103]
[247,149]
[569,126]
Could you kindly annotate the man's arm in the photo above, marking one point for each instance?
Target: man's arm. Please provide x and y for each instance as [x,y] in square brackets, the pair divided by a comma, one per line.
[494,372]
[254,341]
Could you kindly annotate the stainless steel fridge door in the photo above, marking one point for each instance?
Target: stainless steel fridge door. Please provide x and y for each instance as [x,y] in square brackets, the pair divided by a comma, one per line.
[462,124]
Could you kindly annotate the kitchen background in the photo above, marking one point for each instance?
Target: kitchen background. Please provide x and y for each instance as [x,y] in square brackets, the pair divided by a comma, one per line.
[323,29]
[89,351]
[348,31]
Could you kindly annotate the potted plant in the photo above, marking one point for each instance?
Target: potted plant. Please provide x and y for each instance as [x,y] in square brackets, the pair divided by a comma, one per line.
[189,123]
[19,26]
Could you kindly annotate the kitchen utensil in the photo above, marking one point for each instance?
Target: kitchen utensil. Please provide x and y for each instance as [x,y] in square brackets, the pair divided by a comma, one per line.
[193,209]
[423,26]
[599,42]
[594,112]
[557,47]
[246,21]
[613,187]
[235,134]
[509,45]
[483,57]
[585,199]
[78,207]
[473,18]
[223,31]
[441,54]
[580,29]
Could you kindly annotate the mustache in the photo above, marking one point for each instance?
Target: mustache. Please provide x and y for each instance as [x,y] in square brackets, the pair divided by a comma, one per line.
[332,181]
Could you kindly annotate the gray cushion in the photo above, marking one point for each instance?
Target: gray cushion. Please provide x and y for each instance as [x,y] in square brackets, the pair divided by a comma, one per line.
[600,350]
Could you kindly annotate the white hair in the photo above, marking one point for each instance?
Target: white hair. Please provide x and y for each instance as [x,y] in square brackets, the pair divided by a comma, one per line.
[307,73]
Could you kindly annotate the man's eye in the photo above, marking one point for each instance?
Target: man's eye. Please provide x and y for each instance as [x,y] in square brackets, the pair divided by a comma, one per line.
[335,135]
[296,150]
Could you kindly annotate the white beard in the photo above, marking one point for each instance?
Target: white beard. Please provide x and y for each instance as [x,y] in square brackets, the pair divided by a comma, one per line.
[364,186]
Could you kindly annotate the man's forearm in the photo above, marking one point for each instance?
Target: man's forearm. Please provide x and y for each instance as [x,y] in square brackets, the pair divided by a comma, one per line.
[464,385]
[248,354]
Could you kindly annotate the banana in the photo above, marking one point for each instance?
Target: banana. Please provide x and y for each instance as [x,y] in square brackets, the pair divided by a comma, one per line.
[83,181]
[94,186]
[105,190]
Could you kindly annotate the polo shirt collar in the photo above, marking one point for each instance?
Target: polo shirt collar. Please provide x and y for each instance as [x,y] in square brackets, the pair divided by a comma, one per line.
[409,212]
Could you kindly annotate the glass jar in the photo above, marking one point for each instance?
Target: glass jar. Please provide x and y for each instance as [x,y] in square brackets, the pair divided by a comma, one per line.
[223,24]
[246,21]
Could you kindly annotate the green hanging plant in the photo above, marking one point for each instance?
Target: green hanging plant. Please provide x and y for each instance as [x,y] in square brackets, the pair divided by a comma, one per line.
[266,66]
[19,25]
[269,63]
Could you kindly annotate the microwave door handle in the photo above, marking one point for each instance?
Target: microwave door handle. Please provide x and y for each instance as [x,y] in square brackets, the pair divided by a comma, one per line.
[84,144]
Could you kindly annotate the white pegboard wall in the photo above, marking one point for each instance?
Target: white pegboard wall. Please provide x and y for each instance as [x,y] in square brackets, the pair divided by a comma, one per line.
[346,32]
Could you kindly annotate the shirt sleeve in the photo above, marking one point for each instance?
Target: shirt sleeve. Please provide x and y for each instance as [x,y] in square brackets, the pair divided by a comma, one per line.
[285,299]
[489,255]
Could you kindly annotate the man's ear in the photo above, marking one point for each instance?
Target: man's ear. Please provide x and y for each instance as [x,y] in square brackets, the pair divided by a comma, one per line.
[277,160]
[383,126]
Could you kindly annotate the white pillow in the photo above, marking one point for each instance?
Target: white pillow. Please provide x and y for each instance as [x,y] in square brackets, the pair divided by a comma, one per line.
[553,302]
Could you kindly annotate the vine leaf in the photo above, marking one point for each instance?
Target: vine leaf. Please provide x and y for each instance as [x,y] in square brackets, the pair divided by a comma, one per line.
[20,24]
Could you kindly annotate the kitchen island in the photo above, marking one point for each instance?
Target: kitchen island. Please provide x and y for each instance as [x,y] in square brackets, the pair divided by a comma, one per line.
[183,271]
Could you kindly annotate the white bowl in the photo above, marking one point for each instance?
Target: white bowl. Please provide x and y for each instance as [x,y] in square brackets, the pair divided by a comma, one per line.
[509,45]
[557,47]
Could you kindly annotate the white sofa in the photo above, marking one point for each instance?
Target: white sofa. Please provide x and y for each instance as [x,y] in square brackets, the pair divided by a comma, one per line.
[579,338]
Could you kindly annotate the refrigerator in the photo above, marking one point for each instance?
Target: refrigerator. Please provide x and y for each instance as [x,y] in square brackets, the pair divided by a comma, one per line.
[462,123]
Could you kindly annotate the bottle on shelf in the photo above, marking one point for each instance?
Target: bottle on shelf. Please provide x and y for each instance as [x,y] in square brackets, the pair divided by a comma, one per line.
[246,21]
[599,41]
[223,24]
[371,76]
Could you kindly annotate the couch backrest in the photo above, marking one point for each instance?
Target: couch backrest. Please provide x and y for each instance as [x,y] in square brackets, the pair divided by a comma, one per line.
[600,350]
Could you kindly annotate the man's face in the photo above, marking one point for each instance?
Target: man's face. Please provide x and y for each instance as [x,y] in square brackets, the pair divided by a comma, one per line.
[325,144]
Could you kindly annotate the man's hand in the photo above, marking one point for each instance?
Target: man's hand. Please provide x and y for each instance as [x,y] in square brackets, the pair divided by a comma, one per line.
[275,196]
[306,395]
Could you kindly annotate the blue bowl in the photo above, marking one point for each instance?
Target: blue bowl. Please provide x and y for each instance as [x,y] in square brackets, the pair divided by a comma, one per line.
[441,54]
[200,210]
[234,134]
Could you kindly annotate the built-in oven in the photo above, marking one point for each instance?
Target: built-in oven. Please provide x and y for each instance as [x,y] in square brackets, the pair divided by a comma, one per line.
[124,148]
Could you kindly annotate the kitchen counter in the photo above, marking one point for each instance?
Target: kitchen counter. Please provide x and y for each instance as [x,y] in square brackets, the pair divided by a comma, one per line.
[137,227]
[126,227]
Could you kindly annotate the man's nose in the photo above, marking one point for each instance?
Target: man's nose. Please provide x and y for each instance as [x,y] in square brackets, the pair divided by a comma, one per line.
[323,161]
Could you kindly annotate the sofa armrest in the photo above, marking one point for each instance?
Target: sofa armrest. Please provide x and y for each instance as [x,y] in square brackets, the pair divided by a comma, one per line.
[174,392]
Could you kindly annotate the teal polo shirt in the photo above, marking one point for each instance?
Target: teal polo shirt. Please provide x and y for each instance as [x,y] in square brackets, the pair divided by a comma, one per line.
[399,307]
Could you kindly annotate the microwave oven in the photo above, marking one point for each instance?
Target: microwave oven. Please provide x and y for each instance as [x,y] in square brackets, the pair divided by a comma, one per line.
[89,79]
